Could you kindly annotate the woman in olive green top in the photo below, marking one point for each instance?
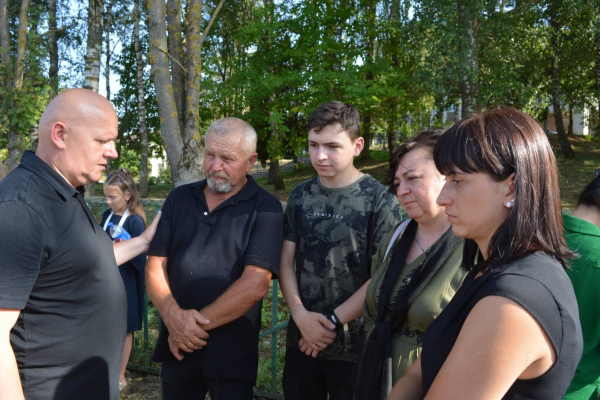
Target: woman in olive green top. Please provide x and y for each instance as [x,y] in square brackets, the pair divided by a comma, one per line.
[582,231]
[416,272]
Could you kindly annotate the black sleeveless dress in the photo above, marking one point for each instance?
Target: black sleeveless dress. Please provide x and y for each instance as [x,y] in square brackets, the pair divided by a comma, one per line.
[539,284]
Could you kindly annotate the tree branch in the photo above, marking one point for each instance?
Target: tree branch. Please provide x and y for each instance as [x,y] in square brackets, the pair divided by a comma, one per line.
[58,30]
[212,19]
[171,57]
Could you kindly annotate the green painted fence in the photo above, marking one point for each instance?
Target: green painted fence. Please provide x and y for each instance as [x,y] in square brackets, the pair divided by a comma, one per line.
[98,205]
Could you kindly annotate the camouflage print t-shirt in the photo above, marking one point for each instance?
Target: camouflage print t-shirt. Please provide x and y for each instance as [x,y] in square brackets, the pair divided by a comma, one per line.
[336,231]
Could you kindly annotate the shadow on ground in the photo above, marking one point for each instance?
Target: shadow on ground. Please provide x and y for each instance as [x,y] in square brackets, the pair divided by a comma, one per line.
[146,387]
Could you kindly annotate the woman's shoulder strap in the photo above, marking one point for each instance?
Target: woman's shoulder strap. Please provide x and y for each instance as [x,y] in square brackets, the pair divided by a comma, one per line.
[396,235]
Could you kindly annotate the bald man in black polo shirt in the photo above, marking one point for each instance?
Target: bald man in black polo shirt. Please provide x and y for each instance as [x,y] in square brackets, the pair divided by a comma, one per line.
[216,248]
[62,300]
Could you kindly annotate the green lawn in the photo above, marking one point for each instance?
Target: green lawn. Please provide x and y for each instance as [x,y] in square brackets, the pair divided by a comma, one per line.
[576,174]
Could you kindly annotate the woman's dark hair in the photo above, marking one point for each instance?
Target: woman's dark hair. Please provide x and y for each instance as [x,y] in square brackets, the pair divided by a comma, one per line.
[502,142]
[424,139]
[591,194]
[336,112]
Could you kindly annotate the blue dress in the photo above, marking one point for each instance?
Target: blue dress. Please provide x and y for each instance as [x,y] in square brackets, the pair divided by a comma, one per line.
[132,272]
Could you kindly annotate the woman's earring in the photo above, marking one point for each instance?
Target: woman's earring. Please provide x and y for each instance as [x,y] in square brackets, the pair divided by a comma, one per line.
[511,203]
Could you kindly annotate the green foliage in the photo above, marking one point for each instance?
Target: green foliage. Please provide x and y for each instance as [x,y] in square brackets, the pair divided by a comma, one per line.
[165,175]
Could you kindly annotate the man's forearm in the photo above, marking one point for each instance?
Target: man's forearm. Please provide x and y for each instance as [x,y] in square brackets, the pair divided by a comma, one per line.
[353,307]
[157,286]
[248,290]
[288,280]
[10,382]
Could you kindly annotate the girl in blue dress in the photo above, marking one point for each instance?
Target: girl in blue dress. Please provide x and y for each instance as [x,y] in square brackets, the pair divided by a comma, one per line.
[126,210]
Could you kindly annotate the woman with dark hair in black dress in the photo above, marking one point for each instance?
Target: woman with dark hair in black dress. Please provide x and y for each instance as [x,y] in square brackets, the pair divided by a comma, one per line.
[512,329]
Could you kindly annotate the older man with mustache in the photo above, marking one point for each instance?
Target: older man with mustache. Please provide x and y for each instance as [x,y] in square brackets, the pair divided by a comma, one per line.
[216,249]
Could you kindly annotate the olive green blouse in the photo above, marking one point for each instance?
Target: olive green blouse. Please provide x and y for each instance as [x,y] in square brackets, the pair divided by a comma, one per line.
[406,345]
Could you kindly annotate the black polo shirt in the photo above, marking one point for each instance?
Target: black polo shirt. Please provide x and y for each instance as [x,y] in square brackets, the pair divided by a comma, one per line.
[58,267]
[206,253]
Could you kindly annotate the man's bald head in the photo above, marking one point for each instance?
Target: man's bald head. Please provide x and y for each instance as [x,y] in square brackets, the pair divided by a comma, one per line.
[76,135]
[73,107]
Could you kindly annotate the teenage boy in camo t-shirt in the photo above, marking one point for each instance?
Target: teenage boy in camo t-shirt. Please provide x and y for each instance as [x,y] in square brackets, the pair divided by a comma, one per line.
[334,223]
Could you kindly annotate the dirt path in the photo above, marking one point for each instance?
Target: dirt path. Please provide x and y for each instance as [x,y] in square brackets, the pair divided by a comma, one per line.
[146,387]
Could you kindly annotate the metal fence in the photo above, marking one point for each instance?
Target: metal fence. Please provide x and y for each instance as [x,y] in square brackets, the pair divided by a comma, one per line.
[98,205]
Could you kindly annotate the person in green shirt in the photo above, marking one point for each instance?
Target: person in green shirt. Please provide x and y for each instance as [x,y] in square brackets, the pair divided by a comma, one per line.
[414,274]
[582,231]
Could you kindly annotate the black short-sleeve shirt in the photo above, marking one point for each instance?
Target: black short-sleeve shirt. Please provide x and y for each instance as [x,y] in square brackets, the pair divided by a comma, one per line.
[539,284]
[58,268]
[206,253]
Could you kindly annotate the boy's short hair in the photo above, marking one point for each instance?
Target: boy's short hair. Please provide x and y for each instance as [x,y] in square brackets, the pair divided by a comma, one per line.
[336,112]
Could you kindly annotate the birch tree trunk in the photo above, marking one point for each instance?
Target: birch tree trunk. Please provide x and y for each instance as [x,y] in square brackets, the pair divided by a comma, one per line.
[468,87]
[141,101]
[183,146]
[53,47]
[558,116]
[15,141]
[107,27]
[94,45]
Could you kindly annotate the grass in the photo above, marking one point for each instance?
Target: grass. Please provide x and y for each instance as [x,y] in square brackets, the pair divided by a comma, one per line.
[156,191]
[576,174]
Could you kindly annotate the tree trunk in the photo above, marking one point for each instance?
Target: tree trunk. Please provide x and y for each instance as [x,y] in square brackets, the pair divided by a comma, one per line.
[53,47]
[21,45]
[182,146]
[107,27]
[570,127]
[141,101]
[275,176]
[176,52]
[94,45]
[33,138]
[597,40]
[391,132]
[369,76]
[5,43]
[560,127]
[194,42]
[182,171]
[468,87]
[15,141]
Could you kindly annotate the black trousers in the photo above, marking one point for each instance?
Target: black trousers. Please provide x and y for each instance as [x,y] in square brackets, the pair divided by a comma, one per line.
[182,382]
[307,378]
